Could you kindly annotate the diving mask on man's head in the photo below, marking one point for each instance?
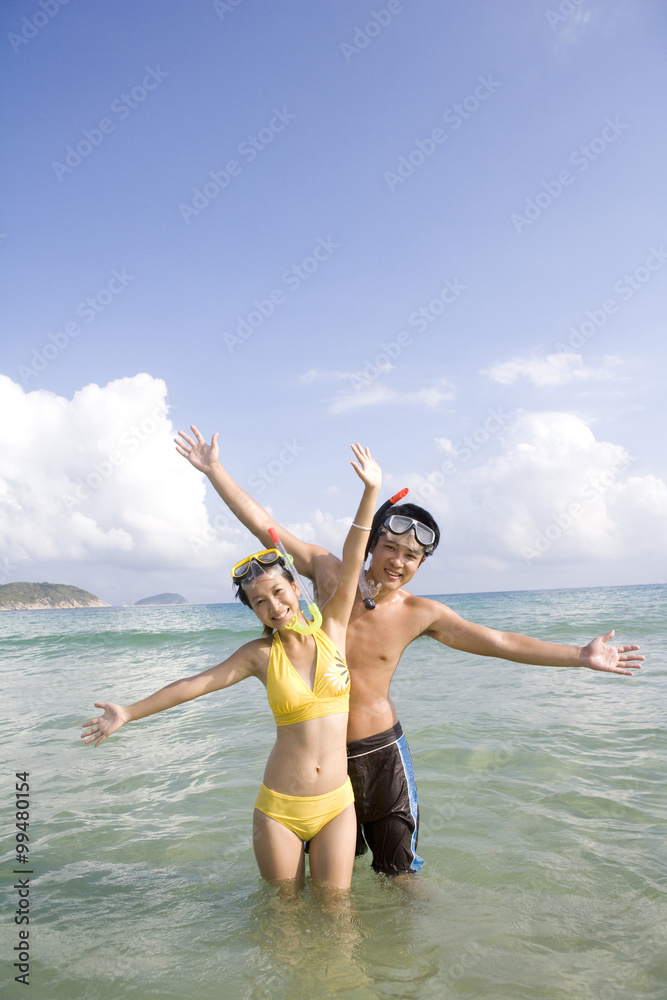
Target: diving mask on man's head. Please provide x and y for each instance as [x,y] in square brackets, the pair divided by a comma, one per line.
[399,524]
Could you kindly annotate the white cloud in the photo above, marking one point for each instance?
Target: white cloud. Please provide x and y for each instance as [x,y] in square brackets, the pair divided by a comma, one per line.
[428,397]
[322,528]
[554,490]
[95,482]
[317,375]
[553,369]
[540,499]
[97,479]
[447,445]
[365,391]
[569,19]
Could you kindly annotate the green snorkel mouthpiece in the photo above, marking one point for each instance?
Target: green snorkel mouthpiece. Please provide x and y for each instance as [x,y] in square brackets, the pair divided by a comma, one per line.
[295,625]
[364,586]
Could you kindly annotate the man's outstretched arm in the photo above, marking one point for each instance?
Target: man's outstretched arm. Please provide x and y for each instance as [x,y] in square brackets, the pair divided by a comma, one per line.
[311,560]
[447,627]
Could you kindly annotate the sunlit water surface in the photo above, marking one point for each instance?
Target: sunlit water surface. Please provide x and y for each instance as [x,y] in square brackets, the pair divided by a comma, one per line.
[542,796]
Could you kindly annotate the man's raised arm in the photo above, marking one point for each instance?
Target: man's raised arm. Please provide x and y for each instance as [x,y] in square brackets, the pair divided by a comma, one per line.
[311,560]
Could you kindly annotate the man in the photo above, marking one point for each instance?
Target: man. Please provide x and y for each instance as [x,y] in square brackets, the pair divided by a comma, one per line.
[379,761]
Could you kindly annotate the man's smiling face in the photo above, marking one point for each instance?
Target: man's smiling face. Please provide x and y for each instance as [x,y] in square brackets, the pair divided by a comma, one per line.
[396,559]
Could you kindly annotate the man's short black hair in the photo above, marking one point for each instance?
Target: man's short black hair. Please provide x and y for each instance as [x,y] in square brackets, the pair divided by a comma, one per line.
[406,510]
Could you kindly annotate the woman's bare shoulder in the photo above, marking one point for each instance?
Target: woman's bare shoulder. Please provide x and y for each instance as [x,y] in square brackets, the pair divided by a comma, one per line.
[256,653]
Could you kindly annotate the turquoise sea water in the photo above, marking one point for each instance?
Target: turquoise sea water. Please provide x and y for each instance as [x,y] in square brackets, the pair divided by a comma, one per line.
[542,794]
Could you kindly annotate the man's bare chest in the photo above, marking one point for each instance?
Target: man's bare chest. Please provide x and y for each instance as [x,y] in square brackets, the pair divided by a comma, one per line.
[377,641]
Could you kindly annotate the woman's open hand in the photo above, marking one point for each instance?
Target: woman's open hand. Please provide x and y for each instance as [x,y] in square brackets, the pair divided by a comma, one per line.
[198,453]
[98,730]
[366,467]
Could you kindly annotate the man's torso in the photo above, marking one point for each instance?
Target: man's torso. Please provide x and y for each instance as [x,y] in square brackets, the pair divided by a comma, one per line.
[374,645]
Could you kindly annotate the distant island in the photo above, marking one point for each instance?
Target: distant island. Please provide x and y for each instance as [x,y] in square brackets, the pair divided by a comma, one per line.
[33,596]
[162,599]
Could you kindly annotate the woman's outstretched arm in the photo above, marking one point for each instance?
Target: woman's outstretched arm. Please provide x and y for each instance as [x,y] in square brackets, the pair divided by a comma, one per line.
[235,668]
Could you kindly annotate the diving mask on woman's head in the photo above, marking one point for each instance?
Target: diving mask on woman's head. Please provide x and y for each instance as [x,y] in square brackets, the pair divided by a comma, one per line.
[398,524]
[256,565]
[265,563]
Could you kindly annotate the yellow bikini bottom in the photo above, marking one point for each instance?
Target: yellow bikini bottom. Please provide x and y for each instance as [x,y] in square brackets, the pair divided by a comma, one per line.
[304,815]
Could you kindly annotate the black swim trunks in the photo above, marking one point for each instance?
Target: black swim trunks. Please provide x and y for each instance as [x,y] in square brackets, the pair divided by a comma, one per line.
[385,799]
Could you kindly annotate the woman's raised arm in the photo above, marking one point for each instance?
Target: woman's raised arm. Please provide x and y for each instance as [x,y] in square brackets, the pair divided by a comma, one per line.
[338,608]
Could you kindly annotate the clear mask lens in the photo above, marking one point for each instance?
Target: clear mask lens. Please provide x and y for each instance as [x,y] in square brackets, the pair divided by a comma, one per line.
[257,570]
[399,525]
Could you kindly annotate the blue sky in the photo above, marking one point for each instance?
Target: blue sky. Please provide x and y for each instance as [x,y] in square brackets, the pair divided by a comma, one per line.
[437,228]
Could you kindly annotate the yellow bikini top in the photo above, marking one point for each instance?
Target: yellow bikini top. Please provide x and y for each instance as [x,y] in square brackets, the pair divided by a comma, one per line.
[290,698]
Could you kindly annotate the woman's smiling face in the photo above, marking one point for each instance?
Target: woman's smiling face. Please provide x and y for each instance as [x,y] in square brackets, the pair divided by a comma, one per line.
[274,599]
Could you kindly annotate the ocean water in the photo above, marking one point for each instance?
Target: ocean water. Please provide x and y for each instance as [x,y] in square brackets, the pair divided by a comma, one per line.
[543,818]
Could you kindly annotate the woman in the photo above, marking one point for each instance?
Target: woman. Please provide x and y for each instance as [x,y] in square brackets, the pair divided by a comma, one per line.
[306,794]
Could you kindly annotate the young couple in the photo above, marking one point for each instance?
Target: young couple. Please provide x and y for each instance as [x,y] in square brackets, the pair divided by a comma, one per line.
[306,795]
